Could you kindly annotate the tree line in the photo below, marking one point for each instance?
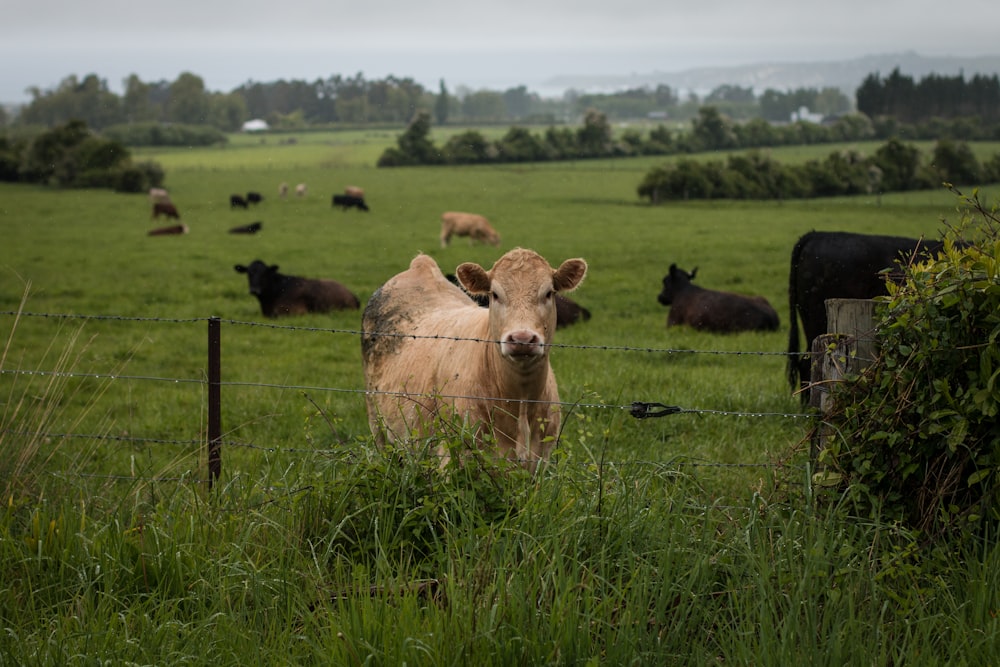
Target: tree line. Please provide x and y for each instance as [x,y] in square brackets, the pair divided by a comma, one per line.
[935,96]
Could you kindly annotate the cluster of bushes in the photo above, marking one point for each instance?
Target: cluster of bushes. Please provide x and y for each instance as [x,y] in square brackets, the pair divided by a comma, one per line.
[594,139]
[894,167]
[918,435]
[72,156]
[165,134]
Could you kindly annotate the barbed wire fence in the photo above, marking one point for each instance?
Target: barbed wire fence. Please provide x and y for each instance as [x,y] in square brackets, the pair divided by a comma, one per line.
[214,442]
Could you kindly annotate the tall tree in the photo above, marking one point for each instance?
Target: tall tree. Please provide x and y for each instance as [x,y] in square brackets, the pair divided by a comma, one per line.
[441,105]
[189,102]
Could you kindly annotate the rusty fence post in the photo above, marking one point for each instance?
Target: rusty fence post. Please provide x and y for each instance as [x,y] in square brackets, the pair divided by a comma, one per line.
[214,400]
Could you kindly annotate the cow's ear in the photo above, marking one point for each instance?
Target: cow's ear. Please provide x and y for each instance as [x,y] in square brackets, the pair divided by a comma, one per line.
[693,271]
[474,278]
[273,268]
[569,275]
[240,268]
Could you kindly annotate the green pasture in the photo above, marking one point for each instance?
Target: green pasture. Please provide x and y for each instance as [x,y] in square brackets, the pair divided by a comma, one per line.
[87,253]
[687,539]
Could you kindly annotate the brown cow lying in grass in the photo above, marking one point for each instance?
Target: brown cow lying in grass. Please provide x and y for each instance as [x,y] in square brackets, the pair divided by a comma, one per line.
[430,353]
[476,227]
[279,294]
[710,310]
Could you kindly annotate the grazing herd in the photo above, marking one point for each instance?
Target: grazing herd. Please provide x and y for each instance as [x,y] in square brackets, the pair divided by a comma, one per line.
[474,346]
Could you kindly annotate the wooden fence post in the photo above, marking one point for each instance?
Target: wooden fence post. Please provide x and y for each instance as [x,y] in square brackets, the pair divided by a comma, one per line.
[214,400]
[847,349]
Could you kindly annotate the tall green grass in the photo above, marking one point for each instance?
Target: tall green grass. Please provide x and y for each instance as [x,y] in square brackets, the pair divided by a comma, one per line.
[691,538]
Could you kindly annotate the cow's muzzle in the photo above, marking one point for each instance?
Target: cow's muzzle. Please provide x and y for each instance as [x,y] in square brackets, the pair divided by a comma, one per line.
[524,344]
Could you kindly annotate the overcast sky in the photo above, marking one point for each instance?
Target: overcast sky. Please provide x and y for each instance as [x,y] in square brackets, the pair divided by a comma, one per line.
[465,42]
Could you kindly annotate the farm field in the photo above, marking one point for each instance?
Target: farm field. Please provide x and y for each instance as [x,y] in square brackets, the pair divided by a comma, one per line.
[129,389]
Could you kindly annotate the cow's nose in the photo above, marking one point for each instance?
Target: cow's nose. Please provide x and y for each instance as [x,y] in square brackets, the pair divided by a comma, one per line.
[522,343]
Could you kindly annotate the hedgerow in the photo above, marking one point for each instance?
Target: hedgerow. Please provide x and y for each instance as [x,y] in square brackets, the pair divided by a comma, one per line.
[918,434]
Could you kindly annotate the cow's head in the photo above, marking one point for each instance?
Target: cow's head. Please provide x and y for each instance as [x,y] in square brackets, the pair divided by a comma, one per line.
[675,281]
[521,287]
[258,275]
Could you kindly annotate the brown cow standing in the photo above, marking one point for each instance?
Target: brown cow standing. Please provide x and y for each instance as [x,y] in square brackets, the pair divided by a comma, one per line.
[354,191]
[476,227]
[166,209]
[711,310]
[430,352]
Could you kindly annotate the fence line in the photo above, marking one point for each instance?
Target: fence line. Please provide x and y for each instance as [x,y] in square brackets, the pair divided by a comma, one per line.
[359,333]
[214,440]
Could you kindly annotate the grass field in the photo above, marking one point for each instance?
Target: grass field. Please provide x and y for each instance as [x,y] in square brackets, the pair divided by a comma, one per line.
[650,575]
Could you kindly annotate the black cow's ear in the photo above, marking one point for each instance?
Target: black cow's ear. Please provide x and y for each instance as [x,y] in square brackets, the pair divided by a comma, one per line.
[273,267]
[693,271]
[673,269]
[240,268]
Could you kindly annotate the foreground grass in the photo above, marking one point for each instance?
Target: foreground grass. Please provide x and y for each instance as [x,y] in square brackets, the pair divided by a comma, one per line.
[383,559]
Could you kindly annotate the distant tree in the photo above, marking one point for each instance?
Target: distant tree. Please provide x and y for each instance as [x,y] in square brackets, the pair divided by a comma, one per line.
[189,102]
[137,105]
[227,111]
[441,105]
[712,131]
[517,102]
[484,105]
[594,138]
[730,93]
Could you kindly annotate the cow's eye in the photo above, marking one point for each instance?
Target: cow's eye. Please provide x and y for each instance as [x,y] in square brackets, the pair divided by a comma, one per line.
[549,294]
[494,296]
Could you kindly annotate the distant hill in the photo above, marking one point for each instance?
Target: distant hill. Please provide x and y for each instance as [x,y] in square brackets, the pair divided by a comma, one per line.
[846,75]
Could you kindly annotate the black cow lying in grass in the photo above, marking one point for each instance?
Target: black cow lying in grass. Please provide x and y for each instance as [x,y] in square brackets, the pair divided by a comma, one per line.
[711,310]
[252,228]
[567,311]
[348,201]
[291,295]
[237,201]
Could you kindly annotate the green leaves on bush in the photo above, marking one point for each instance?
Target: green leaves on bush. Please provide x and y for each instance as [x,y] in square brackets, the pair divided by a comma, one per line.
[753,175]
[919,434]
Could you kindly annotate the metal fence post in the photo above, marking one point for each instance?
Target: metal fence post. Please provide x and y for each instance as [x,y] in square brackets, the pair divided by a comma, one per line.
[214,400]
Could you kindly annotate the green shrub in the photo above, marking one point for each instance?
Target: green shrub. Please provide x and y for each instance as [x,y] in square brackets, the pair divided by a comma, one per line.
[918,431]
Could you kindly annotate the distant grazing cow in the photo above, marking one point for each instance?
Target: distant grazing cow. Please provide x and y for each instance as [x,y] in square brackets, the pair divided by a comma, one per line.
[347,201]
[237,201]
[711,310]
[429,351]
[254,197]
[567,311]
[165,209]
[290,295]
[158,195]
[283,190]
[252,228]
[354,191]
[169,231]
[837,265]
[476,227]
[300,190]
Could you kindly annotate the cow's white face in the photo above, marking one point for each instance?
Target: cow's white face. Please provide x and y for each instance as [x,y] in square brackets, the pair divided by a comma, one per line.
[522,288]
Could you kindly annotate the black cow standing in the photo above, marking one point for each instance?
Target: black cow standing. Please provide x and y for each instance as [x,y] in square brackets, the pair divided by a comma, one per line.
[837,265]
[349,201]
[279,294]
[237,201]
[711,310]
[254,197]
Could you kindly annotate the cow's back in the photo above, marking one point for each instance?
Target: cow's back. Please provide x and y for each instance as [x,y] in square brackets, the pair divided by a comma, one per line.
[421,333]
[836,265]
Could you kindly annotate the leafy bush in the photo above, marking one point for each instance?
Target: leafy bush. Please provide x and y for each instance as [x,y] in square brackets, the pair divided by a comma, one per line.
[918,431]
